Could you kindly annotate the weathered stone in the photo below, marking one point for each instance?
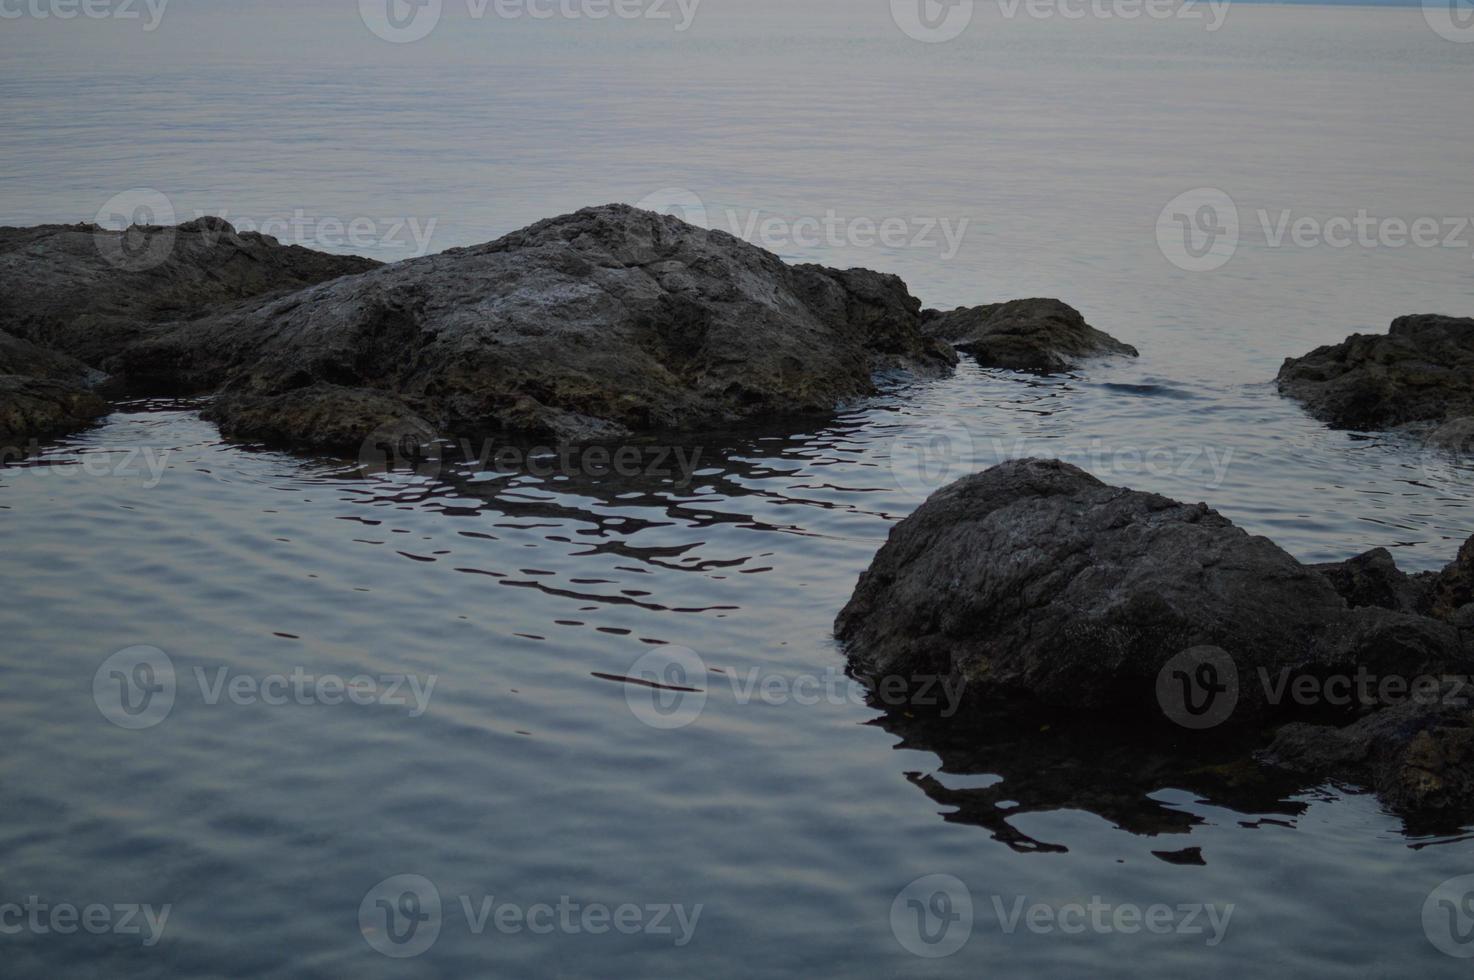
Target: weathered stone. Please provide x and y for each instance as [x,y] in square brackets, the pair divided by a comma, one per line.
[594,325]
[1042,335]
[91,292]
[1422,370]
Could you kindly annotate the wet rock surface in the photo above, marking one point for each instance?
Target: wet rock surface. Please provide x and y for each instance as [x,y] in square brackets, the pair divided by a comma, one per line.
[91,292]
[599,324]
[43,394]
[41,408]
[1043,335]
[1035,583]
[1422,370]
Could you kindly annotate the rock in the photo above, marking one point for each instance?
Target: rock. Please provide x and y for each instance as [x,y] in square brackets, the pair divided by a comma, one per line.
[1373,579]
[1421,371]
[1452,590]
[1034,583]
[594,325]
[41,408]
[320,417]
[90,292]
[1419,757]
[43,394]
[25,358]
[1034,578]
[1042,335]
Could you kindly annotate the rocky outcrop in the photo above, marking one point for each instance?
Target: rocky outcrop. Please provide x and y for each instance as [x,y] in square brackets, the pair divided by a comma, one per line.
[600,324]
[42,394]
[90,292]
[1420,371]
[1043,335]
[1418,755]
[1034,582]
[42,408]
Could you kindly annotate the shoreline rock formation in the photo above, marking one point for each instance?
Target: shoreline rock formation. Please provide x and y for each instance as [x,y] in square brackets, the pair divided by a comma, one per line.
[1036,583]
[73,298]
[1421,371]
[607,323]
[1043,335]
[42,394]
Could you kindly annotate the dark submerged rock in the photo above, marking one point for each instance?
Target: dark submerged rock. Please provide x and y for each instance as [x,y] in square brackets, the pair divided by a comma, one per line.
[593,325]
[1422,370]
[1418,756]
[1042,335]
[1036,583]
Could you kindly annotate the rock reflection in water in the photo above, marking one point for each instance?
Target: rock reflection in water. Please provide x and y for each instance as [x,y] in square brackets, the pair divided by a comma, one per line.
[1053,763]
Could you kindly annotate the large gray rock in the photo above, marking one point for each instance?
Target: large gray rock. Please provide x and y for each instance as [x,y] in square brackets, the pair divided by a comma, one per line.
[1042,335]
[1420,371]
[594,325]
[1035,583]
[91,292]
[1036,578]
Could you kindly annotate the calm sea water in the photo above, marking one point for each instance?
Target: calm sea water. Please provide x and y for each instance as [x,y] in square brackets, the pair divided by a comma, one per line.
[793,813]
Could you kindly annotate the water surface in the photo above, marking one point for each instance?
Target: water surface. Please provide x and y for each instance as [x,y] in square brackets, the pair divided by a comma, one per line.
[532,775]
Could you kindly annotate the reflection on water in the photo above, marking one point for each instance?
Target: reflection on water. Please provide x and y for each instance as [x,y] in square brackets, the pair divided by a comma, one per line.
[1036,764]
[529,595]
[793,818]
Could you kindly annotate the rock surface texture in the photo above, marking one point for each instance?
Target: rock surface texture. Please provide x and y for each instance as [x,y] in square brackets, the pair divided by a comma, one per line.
[91,292]
[600,324]
[1043,335]
[1420,371]
[42,394]
[74,298]
[1035,582]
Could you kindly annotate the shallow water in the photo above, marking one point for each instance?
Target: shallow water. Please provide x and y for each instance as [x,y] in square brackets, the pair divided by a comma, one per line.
[794,812]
